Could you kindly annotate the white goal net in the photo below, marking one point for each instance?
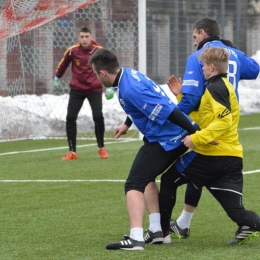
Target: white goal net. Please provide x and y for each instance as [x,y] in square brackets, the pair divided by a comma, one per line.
[34,34]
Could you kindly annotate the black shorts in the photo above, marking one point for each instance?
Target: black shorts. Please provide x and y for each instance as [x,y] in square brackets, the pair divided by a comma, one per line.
[214,172]
[150,161]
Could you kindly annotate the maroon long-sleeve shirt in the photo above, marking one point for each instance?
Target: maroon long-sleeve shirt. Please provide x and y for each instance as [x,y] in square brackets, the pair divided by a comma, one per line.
[83,77]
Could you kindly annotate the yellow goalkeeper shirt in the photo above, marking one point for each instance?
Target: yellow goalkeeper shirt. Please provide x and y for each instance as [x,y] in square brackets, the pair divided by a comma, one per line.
[218,118]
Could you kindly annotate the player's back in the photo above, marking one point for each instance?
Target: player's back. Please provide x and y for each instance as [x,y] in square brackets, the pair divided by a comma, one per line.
[240,66]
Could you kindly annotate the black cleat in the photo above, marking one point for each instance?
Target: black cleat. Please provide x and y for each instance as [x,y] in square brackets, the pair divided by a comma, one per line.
[179,232]
[242,235]
[126,244]
[153,237]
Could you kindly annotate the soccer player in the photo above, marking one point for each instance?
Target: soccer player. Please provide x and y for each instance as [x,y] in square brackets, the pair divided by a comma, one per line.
[206,34]
[84,84]
[163,127]
[216,166]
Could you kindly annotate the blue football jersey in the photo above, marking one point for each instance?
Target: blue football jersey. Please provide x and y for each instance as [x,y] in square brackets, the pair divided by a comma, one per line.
[240,67]
[146,103]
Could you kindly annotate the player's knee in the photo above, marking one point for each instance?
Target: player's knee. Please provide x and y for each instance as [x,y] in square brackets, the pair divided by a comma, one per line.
[98,119]
[71,119]
[192,195]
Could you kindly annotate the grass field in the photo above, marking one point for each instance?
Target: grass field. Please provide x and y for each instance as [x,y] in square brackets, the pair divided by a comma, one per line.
[53,209]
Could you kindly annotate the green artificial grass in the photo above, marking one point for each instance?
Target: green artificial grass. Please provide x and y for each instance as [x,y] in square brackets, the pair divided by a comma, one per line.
[53,209]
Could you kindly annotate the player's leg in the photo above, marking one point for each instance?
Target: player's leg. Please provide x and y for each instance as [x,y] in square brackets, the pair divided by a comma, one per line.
[95,102]
[228,192]
[150,161]
[151,200]
[170,181]
[151,195]
[182,224]
[76,99]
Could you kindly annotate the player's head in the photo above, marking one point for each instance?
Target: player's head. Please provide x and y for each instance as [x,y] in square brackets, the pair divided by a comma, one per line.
[85,37]
[204,28]
[105,65]
[215,61]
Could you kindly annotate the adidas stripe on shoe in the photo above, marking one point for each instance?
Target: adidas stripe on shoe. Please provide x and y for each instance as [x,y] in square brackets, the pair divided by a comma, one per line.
[179,232]
[153,237]
[126,244]
[242,235]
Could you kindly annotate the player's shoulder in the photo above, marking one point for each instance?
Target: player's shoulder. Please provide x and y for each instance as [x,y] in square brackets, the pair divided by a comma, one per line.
[97,46]
[72,48]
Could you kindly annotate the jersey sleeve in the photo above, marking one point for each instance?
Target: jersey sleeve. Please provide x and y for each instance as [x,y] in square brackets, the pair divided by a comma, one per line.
[64,63]
[150,99]
[188,103]
[193,78]
[249,67]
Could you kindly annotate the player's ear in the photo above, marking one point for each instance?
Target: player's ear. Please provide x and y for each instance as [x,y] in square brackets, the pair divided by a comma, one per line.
[102,73]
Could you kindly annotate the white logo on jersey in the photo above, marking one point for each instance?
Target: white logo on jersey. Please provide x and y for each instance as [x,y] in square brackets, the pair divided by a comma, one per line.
[145,106]
[122,102]
[190,82]
[134,74]
[175,139]
[155,112]
[190,72]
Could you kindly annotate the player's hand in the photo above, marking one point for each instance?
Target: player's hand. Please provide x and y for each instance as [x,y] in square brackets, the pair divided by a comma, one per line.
[175,85]
[188,142]
[56,83]
[121,130]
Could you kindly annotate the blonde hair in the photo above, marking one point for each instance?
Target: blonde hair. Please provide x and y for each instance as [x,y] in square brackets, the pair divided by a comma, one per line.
[216,56]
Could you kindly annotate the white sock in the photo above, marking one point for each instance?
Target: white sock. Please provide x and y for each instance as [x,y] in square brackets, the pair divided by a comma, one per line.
[184,219]
[137,234]
[155,222]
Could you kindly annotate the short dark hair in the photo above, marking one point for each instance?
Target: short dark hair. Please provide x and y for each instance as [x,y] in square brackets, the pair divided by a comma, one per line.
[210,26]
[85,30]
[104,59]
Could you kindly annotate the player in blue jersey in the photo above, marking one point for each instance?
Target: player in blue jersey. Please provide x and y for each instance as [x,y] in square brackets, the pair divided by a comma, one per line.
[218,168]
[163,127]
[206,34]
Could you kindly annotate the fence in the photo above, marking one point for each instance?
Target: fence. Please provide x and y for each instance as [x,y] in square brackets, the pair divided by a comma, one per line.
[29,59]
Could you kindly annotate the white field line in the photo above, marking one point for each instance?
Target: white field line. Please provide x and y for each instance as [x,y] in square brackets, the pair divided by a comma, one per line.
[65,147]
[59,148]
[249,128]
[105,181]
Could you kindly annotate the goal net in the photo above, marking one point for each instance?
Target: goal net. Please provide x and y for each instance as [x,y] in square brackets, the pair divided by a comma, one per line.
[33,38]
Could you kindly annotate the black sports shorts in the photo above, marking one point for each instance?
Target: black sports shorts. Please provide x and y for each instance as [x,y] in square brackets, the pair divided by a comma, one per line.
[150,161]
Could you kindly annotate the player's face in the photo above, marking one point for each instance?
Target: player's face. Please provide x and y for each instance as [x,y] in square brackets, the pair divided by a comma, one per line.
[198,37]
[102,76]
[85,39]
[207,70]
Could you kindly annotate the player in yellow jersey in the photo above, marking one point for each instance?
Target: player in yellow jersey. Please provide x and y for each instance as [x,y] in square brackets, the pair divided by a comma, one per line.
[216,159]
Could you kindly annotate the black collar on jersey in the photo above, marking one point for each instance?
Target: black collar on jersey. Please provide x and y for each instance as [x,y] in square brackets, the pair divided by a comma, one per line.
[117,78]
[213,78]
[209,39]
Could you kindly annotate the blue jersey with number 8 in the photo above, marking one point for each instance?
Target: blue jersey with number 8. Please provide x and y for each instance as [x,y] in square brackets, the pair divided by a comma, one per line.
[240,67]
